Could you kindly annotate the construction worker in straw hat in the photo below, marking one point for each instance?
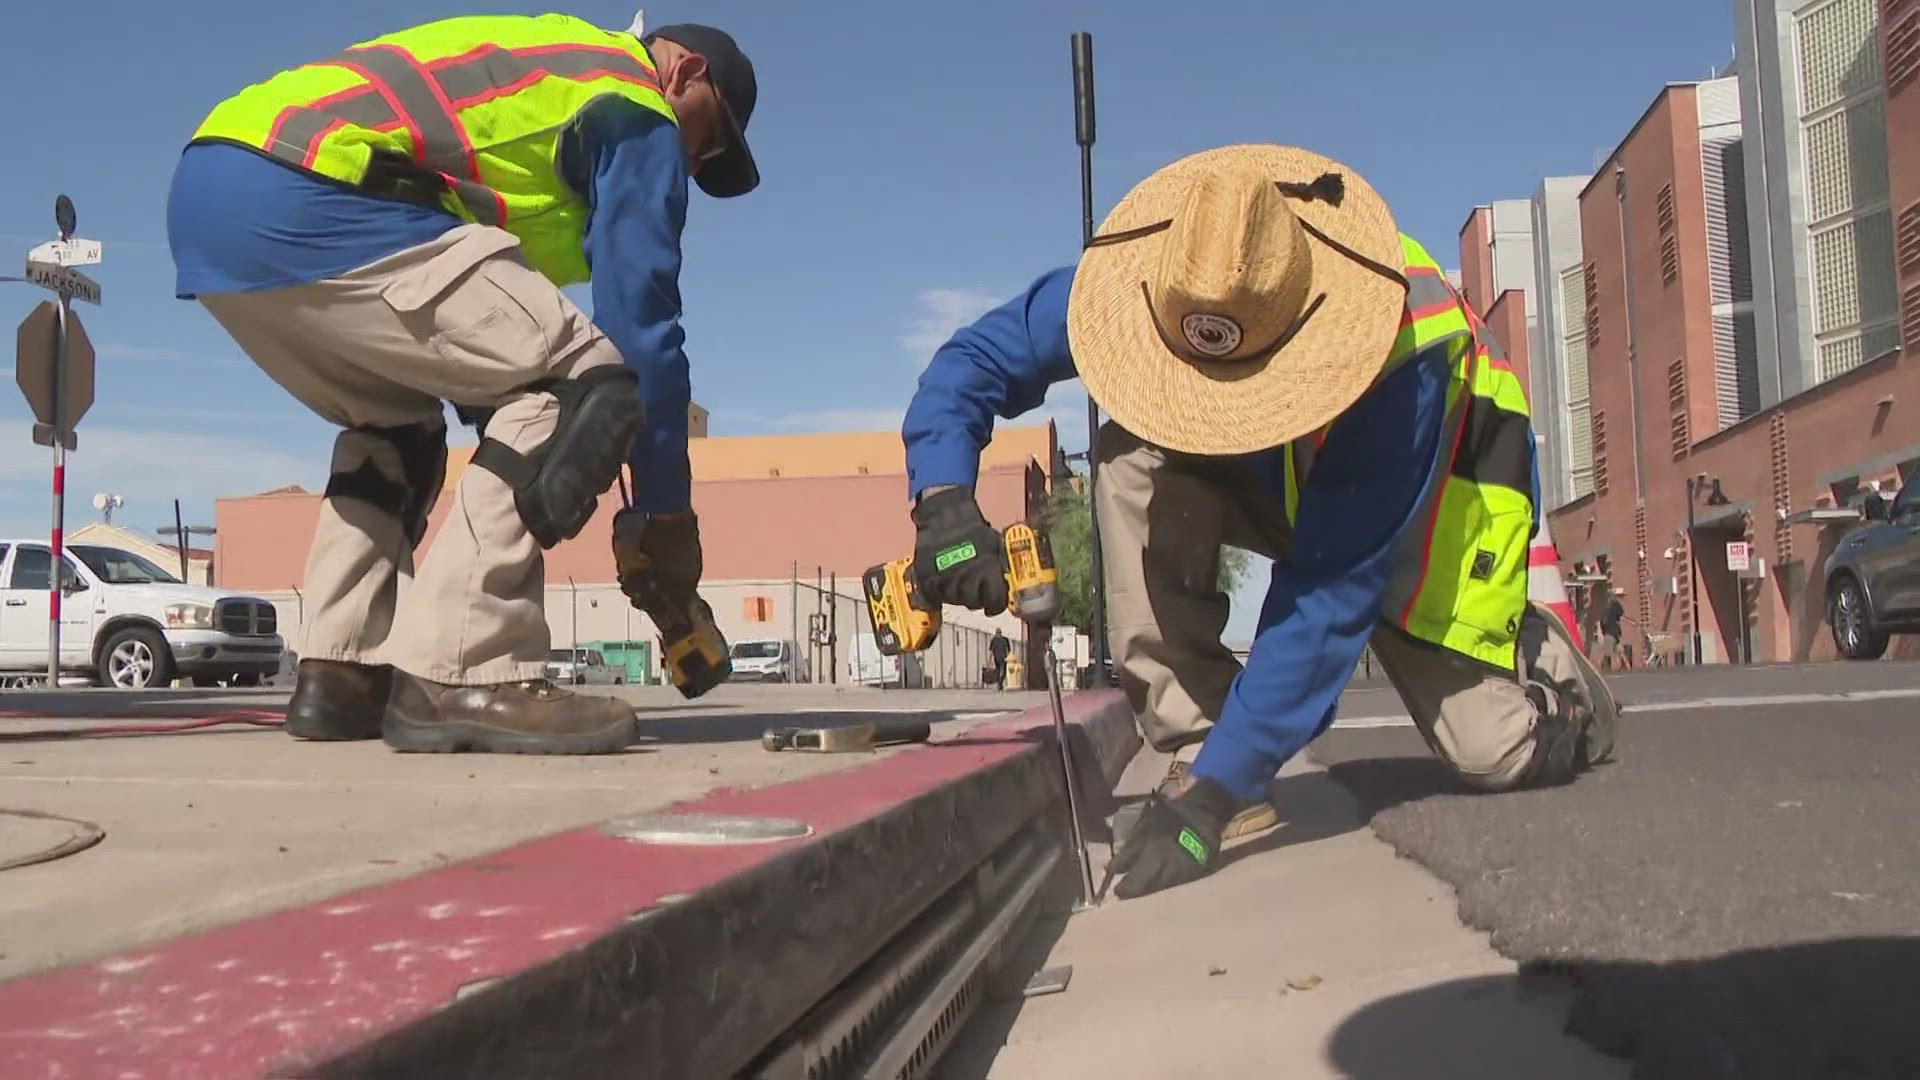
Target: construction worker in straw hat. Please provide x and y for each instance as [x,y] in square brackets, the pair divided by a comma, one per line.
[387,230]
[1288,374]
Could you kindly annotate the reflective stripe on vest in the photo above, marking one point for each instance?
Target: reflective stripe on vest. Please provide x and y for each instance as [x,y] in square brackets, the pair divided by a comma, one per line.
[425,111]
[1460,575]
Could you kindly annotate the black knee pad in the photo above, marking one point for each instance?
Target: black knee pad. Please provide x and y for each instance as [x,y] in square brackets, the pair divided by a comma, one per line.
[423,465]
[557,485]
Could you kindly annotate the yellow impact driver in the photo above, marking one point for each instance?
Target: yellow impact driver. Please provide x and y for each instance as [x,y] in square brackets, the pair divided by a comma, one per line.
[904,621]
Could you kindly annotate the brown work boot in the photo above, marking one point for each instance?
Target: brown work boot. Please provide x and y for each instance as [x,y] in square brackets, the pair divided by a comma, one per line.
[530,717]
[1259,817]
[336,700]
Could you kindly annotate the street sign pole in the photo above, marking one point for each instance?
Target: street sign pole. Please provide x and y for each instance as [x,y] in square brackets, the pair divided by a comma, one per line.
[55,594]
[54,368]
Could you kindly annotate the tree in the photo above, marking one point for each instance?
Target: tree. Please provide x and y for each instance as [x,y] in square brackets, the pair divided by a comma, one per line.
[1069,528]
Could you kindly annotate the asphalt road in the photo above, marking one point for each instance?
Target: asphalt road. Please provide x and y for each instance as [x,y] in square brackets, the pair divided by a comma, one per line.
[1736,895]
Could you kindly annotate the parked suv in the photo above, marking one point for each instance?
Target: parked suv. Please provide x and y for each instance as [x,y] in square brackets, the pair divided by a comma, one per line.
[1873,577]
[128,623]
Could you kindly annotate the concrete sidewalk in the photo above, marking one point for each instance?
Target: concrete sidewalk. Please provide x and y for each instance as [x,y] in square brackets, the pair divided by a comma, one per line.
[1313,952]
[209,826]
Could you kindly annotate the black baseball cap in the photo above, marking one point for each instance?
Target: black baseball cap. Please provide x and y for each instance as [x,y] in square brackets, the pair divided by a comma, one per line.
[733,171]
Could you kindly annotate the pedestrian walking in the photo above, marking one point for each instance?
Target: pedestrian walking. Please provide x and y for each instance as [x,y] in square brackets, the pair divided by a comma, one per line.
[998,648]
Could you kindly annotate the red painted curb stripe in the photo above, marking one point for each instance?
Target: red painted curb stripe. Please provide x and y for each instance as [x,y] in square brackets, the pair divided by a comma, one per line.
[305,984]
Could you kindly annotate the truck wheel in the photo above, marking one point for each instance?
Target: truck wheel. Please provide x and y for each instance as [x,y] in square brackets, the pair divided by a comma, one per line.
[136,657]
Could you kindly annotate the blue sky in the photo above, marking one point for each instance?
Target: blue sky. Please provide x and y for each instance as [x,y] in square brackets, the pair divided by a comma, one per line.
[918,165]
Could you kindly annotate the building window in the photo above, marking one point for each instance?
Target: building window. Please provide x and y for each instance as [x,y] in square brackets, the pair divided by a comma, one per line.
[1849,222]
[759,609]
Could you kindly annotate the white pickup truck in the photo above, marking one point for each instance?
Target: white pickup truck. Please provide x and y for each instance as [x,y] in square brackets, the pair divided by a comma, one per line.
[129,623]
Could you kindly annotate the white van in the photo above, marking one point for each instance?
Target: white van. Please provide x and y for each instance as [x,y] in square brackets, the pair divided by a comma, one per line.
[129,623]
[764,660]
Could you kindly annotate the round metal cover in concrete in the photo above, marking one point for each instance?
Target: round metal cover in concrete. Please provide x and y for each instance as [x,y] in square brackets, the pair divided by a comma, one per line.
[705,829]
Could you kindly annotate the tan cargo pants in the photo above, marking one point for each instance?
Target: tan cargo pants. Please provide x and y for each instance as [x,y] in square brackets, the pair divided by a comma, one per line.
[462,319]
[1163,519]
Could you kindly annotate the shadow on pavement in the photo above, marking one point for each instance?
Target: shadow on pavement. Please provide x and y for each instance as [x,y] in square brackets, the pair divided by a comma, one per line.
[1378,784]
[1834,1010]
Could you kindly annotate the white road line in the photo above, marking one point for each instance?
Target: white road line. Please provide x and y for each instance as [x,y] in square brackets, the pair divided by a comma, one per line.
[1390,720]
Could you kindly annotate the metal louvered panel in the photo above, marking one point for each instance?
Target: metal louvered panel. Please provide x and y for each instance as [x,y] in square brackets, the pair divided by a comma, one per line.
[1573,345]
[1718,102]
[1600,453]
[1910,319]
[1680,425]
[1736,375]
[1902,31]
[1907,241]
[1736,353]
[1839,47]
[1590,303]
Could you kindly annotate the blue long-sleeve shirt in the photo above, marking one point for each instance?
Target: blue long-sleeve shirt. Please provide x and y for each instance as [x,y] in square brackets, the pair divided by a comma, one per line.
[240,222]
[1363,492]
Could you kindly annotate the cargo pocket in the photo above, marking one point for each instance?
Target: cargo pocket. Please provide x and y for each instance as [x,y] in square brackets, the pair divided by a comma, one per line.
[1493,574]
[462,304]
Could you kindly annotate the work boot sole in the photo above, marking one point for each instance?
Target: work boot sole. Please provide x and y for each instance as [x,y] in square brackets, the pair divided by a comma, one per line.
[1606,707]
[458,736]
[334,728]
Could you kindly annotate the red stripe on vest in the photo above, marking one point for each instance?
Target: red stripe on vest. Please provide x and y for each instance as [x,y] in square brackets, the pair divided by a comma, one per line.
[313,148]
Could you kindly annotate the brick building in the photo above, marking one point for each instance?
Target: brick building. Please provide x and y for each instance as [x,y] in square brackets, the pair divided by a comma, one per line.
[787,525]
[1745,274]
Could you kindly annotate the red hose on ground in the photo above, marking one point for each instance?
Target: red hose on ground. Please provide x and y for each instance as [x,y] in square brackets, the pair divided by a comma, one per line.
[253,717]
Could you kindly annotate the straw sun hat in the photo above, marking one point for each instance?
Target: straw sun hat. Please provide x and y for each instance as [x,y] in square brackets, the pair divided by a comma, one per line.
[1237,299]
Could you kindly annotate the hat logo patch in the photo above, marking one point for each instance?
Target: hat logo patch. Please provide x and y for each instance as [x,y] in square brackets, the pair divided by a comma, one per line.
[1211,335]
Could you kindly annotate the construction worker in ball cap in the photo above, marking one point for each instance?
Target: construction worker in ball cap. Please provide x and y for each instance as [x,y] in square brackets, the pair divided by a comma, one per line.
[1287,374]
[387,229]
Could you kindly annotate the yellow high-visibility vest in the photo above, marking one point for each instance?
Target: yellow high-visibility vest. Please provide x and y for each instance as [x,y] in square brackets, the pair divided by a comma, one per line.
[468,111]
[1460,572]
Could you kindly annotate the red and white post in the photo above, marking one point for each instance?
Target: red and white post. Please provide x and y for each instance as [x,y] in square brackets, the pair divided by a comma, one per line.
[55,593]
